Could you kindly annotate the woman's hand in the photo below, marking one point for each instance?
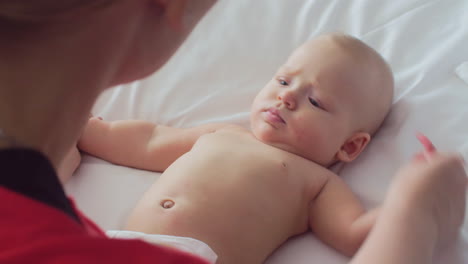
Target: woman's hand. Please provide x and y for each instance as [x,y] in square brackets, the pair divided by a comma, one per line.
[434,185]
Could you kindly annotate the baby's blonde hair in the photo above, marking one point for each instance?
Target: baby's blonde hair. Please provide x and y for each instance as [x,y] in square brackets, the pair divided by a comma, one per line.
[37,11]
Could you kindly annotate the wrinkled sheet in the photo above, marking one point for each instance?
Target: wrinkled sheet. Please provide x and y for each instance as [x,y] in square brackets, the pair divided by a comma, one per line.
[237,48]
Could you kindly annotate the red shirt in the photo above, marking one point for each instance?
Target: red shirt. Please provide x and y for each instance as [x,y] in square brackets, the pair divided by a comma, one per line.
[31,231]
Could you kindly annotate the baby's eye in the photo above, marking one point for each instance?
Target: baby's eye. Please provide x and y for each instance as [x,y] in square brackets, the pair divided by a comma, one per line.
[314,103]
[283,82]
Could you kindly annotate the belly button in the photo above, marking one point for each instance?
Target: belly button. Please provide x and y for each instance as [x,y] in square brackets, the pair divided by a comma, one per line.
[167,204]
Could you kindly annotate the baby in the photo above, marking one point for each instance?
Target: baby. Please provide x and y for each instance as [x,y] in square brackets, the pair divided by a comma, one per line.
[245,192]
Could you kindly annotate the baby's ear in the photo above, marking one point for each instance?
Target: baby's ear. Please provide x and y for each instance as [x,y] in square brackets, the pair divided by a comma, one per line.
[353,146]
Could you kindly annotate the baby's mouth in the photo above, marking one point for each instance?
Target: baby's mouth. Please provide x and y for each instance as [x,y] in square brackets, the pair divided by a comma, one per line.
[273,115]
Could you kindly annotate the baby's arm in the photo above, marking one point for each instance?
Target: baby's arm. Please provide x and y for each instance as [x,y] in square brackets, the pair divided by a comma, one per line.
[139,144]
[337,217]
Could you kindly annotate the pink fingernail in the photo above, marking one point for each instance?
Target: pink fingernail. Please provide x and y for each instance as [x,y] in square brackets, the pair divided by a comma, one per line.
[427,144]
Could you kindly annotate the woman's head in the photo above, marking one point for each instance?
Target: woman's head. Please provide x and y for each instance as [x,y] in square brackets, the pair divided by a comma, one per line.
[154,28]
[39,11]
[58,55]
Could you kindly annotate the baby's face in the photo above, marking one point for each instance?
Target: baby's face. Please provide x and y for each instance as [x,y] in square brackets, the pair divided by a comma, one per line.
[307,107]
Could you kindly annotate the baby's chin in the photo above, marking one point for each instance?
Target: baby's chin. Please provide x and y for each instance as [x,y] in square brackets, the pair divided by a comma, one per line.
[262,134]
[269,139]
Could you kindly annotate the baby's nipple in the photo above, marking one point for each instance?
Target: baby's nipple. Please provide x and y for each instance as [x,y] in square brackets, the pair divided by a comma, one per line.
[167,204]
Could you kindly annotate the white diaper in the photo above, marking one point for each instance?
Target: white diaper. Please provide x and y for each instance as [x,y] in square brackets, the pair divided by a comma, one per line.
[186,244]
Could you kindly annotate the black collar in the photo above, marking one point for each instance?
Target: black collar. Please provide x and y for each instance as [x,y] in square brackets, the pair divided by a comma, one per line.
[30,173]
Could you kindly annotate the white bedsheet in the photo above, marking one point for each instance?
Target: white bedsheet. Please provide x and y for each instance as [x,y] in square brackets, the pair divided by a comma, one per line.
[236,49]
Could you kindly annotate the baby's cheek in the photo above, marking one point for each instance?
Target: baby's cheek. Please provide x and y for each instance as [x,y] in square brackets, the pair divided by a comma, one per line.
[311,135]
[304,134]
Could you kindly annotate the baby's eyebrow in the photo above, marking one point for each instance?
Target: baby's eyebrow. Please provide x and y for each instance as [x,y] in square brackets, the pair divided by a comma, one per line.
[290,70]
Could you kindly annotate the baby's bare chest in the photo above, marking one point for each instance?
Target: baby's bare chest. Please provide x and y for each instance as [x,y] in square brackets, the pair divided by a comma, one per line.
[234,166]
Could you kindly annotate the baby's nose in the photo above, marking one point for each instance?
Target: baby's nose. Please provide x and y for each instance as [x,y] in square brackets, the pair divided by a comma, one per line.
[288,99]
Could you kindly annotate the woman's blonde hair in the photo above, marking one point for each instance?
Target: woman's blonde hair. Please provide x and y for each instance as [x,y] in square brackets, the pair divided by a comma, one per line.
[33,11]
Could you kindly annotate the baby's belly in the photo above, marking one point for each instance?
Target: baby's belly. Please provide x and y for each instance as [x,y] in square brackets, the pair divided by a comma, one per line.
[240,208]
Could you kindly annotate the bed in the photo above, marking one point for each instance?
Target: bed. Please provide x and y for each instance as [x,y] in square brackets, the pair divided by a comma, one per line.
[236,49]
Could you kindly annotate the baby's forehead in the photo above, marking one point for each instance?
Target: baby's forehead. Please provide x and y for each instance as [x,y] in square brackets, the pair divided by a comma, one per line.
[335,53]
[334,45]
[316,63]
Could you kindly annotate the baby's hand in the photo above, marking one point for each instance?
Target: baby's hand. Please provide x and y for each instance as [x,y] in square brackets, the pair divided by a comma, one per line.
[72,159]
[91,117]
[89,132]
[69,164]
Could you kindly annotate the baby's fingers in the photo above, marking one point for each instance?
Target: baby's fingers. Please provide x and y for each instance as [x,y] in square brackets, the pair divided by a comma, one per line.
[95,117]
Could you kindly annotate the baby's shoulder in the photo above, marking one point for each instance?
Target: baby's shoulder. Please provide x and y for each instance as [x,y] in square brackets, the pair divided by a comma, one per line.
[314,176]
[310,169]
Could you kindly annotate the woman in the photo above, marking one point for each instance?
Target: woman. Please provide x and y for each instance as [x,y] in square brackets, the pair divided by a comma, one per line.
[56,56]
